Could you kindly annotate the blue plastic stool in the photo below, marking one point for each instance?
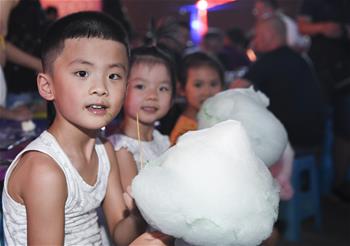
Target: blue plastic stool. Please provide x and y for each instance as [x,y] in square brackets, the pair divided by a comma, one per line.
[326,165]
[306,200]
[1,231]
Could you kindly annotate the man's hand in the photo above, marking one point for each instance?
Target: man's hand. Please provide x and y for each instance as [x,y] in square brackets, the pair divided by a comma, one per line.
[331,30]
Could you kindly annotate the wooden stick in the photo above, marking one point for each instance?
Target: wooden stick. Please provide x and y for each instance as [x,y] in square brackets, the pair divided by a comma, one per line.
[2,42]
[139,139]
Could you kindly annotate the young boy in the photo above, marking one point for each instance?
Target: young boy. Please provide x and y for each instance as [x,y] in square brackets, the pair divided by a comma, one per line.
[53,187]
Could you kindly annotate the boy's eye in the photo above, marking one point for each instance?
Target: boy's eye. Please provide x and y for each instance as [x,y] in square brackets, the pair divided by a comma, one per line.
[82,74]
[114,76]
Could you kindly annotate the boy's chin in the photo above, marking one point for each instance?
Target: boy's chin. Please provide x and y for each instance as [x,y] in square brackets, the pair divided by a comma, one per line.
[95,126]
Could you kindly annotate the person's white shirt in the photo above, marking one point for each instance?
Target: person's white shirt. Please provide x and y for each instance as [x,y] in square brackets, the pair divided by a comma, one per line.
[294,38]
[3,88]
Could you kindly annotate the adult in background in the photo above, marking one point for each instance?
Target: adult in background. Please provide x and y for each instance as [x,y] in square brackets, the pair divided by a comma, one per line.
[234,56]
[328,24]
[26,25]
[289,82]
[19,113]
[287,79]
[267,8]
[235,44]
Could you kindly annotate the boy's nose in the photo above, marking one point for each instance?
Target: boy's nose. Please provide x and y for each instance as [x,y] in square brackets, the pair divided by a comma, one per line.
[99,88]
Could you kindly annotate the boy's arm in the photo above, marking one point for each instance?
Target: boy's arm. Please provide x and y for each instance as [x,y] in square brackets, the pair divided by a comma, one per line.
[127,167]
[124,226]
[39,184]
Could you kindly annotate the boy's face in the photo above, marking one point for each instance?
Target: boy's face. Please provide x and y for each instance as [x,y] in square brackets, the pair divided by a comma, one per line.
[89,81]
[149,92]
[202,83]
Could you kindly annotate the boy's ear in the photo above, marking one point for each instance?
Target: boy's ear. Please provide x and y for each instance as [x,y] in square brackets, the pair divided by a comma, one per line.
[44,83]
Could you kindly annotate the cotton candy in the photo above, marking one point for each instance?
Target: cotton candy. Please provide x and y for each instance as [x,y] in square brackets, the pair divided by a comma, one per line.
[266,133]
[209,189]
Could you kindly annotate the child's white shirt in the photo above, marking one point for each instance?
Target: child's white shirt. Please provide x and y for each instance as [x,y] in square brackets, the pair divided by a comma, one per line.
[81,227]
[150,149]
[3,89]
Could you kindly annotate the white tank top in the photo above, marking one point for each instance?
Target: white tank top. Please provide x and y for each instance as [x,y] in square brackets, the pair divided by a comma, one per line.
[81,227]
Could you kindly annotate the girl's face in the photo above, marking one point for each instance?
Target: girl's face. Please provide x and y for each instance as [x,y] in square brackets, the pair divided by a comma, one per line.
[202,83]
[149,92]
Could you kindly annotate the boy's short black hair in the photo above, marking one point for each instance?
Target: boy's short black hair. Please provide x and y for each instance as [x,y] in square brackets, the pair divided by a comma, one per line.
[86,24]
[199,59]
[155,55]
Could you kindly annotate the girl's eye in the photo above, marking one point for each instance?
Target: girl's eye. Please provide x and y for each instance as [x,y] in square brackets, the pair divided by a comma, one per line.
[164,88]
[139,86]
[82,74]
[198,84]
[215,84]
[114,76]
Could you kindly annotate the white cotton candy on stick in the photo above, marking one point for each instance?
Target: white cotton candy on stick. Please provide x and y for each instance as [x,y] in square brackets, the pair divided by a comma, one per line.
[266,133]
[209,189]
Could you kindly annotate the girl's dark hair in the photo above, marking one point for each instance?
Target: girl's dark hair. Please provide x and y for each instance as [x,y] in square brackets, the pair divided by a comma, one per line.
[155,55]
[86,24]
[199,59]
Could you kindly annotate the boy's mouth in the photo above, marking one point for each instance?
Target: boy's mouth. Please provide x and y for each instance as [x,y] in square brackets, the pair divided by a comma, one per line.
[96,108]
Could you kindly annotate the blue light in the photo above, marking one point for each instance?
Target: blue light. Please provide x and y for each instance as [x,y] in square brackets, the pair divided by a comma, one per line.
[195,24]
[195,27]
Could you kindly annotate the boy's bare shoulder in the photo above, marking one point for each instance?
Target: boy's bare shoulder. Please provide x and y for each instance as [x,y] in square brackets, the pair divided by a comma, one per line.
[110,151]
[108,145]
[38,161]
[36,172]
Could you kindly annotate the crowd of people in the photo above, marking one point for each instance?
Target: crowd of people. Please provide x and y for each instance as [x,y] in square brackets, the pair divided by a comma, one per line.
[302,65]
